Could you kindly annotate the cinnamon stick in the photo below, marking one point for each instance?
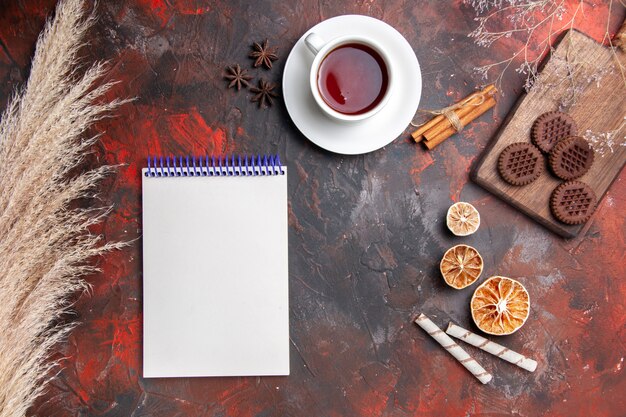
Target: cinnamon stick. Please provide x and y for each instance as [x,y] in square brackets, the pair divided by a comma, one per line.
[445,125]
[474,113]
[418,135]
[484,95]
[441,123]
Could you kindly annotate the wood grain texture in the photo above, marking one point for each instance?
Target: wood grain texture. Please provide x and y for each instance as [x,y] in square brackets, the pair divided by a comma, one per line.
[601,107]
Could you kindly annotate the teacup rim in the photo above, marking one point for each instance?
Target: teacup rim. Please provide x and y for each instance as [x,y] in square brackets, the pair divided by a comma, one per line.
[326,49]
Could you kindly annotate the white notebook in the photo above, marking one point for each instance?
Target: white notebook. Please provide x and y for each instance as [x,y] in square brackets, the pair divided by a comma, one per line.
[215,279]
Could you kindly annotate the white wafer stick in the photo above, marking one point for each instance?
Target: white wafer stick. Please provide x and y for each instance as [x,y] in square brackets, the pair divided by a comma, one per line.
[491,347]
[455,350]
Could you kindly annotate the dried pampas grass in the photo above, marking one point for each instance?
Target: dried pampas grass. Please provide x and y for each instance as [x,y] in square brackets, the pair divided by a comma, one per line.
[46,247]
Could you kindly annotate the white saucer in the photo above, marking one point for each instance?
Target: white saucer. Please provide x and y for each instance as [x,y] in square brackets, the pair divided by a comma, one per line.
[356,137]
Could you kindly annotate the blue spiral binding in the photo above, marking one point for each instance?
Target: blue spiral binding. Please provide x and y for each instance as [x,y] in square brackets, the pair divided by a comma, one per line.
[209,166]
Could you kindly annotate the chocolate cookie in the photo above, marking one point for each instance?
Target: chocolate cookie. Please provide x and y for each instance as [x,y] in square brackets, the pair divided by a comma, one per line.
[520,163]
[550,128]
[571,158]
[573,202]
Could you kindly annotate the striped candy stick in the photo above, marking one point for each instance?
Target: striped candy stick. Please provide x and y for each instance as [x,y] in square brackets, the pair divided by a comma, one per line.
[491,347]
[455,350]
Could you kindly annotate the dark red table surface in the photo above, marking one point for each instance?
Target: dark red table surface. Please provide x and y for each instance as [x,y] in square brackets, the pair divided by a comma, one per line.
[365,232]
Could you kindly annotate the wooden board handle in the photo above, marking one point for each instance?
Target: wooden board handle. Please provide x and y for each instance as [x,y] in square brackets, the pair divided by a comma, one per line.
[620,37]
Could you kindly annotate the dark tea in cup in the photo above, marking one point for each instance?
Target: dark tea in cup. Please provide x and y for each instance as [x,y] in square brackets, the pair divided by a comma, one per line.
[353,79]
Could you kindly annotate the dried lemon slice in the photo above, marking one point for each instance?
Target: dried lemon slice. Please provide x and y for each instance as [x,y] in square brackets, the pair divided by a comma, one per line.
[500,306]
[462,219]
[461,266]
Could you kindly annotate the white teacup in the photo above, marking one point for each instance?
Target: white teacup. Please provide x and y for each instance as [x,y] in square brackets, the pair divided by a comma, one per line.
[321,49]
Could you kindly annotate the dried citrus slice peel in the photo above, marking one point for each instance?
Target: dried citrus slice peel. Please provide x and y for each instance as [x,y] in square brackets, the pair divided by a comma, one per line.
[462,219]
[461,266]
[500,306]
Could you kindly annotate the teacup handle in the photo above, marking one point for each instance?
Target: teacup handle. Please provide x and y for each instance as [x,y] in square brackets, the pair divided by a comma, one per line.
[314,43]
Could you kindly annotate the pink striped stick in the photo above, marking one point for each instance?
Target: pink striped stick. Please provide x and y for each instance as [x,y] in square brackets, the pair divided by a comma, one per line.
[455,350]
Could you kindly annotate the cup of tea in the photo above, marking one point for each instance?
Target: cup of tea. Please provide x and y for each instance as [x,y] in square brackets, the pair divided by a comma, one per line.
[351,76]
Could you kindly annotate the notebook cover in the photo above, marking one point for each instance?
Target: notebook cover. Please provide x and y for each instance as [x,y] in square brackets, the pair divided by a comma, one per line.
[215,280]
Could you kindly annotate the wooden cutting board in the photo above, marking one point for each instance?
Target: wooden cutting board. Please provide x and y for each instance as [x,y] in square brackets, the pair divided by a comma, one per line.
[599,108]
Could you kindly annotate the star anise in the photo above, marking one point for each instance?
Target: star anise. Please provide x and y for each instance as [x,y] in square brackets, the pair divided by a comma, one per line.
[263,55]
[237,77]
[264,93]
